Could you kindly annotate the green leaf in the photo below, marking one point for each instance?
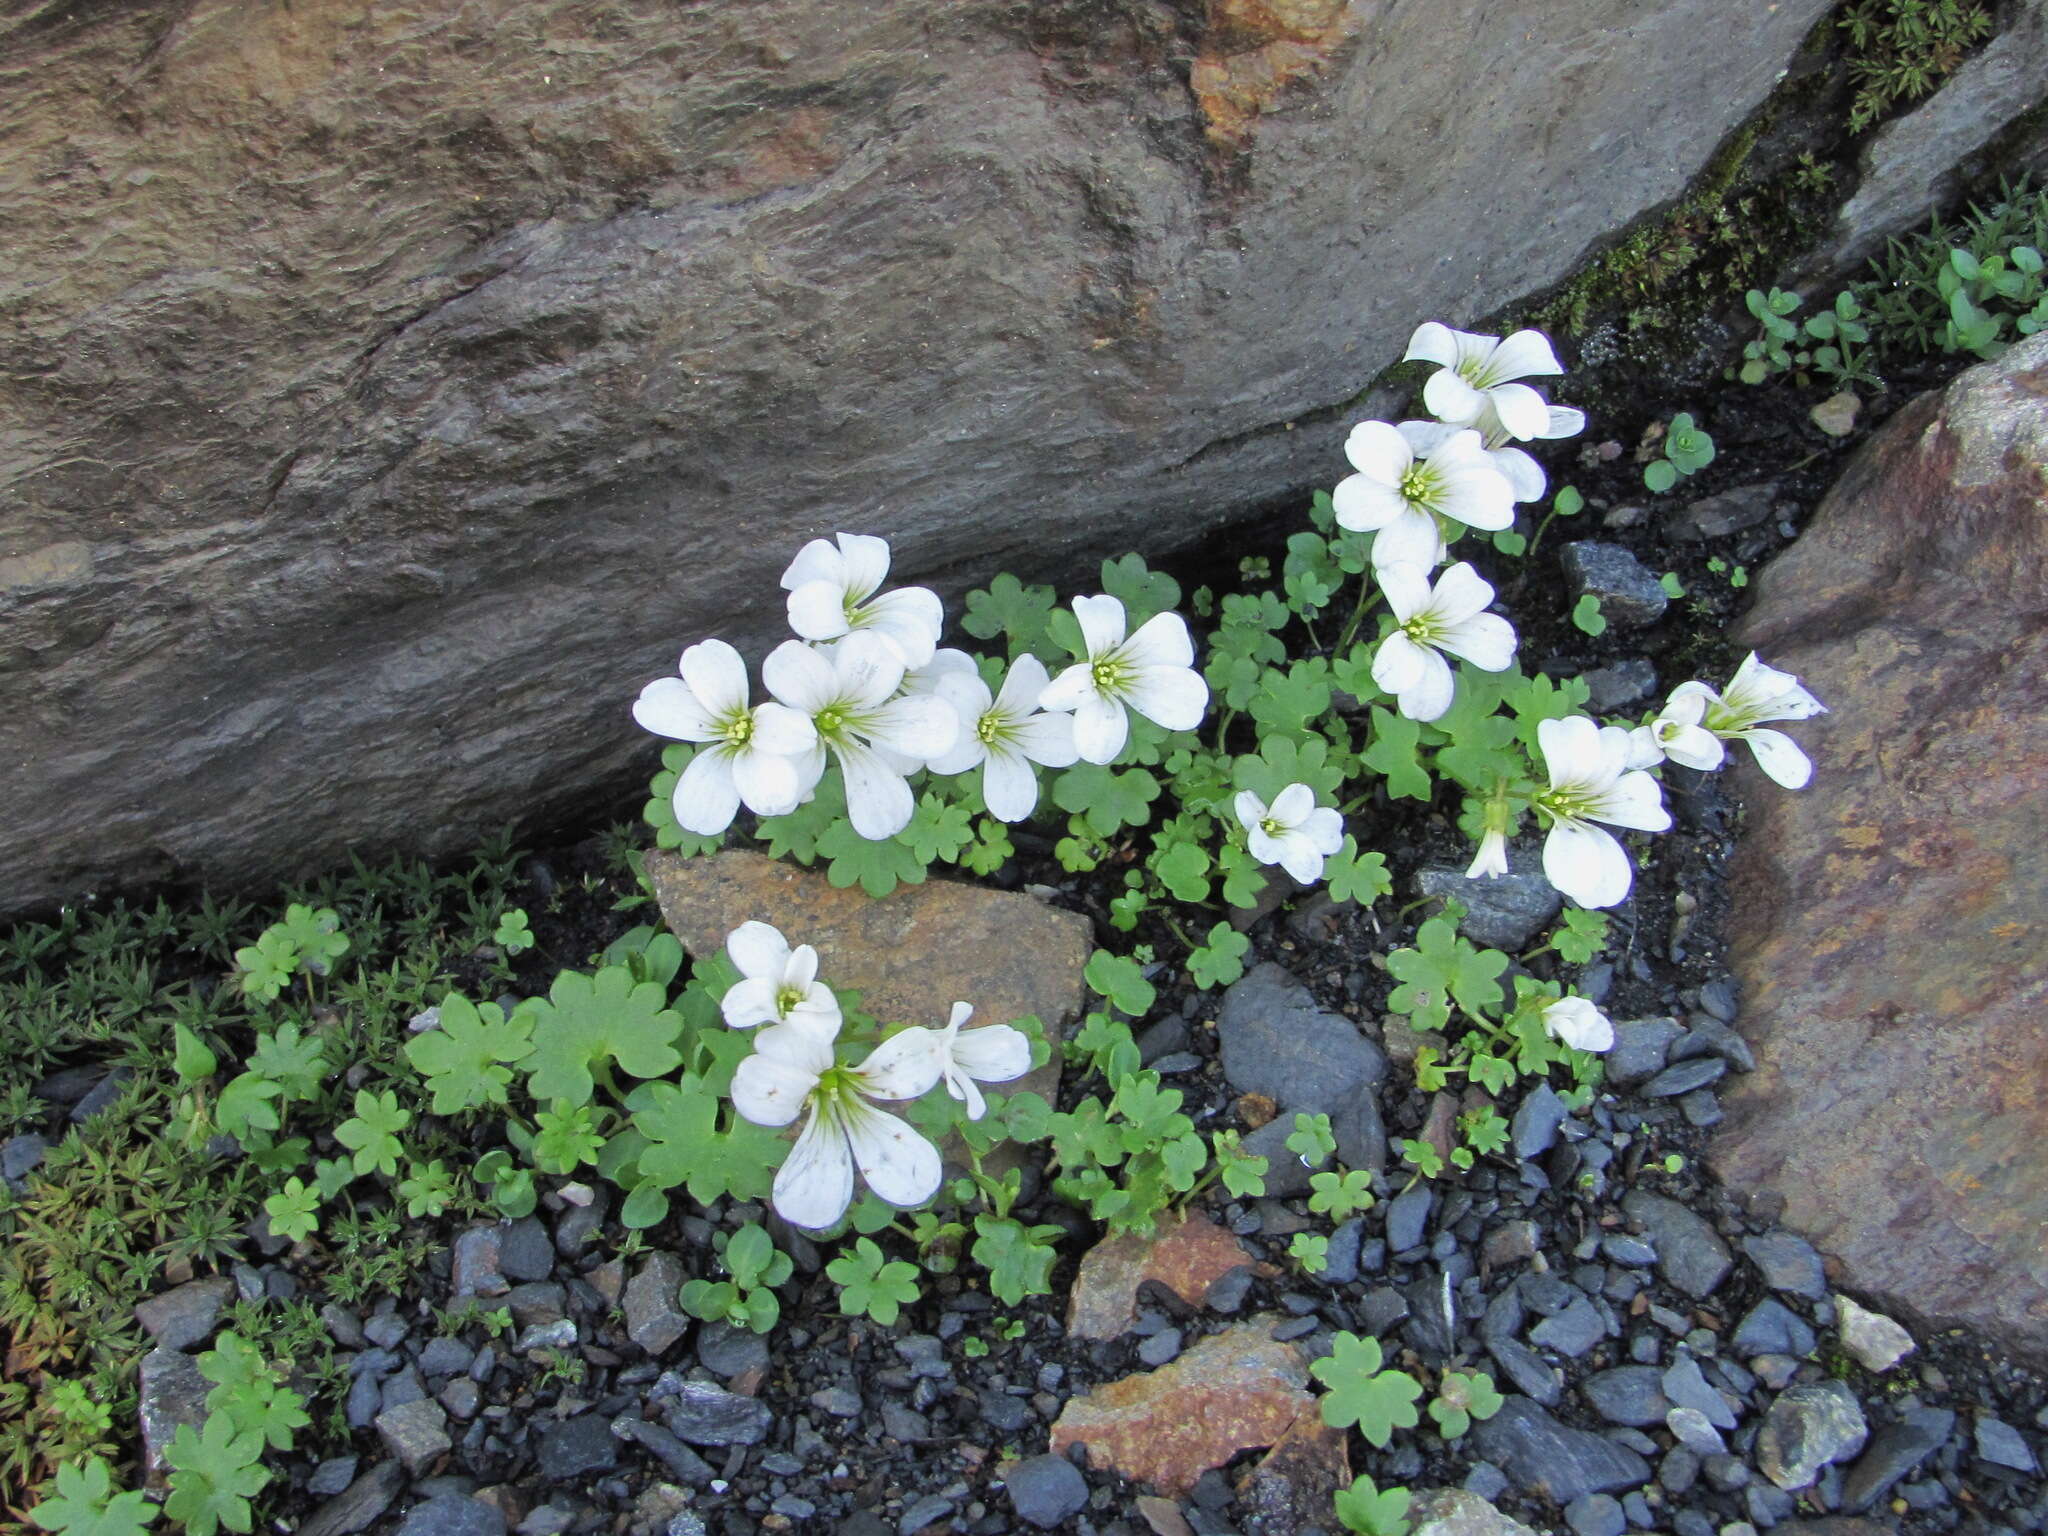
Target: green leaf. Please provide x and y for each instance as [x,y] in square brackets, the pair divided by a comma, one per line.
[428,1190]
[1220,961]
[1119,980]
[1141,590]
[1108,800]
[991,850]
[1361,1393]
[1244,1174]
[797,835]
[250,1391]
[467,1061]
[1311,1250]
[1009,608]
[1442,967]
[512,933]
[1393,752]
[1672,586]
[1311,1140]
[194,1062]
[1288,701]
[1355,876]
[245,1105]
[1340,1195]
[1568,502]
[373,1133]
[214,1476]
[268,965]
[1660,475]
[1367,1511]
[1282,761]
[1587,615]
[872,1285]
[1183,868]
[291,1060]
[293,1211]
[937,830]
[1581,936]
[85,1504]
[565,1138]
[877,867]
[590,1022]
[1018,1258]
[686,1144]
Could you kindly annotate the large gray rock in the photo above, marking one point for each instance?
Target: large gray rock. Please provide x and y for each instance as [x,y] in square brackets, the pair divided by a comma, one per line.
[389,391]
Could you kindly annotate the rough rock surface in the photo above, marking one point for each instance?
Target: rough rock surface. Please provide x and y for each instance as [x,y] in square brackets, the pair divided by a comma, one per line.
[390,390]
[911,955]
[1458,1512]
[1891,918]
[1185,1256]
[1232,1391]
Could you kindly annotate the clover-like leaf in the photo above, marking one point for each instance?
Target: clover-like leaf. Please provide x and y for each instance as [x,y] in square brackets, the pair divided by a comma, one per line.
[1355,876]
[372,1133]
[1107,799]
[1018,1258]
[686,1144]
[871,1284]
[1219,961]
[1009,608]
[938,830]
[876,867]
[1368,1511]
[467,1061]
[214,1475]
[1119,980]
[586,1023]
[85,1504]
[1361,1393]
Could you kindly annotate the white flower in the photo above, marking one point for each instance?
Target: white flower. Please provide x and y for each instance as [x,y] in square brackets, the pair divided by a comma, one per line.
[1590,781]
[1429,621]
[1522,473]
[1477,374]
[1410,479]
[793,1070]
[777,985]
[1005,734]
[836,591]
[1755,694]
[849,696]
[1152,672]
[754,754]
[1578,1024]
[1677,734]
[1293,832]
[995,1053]
[1492,858]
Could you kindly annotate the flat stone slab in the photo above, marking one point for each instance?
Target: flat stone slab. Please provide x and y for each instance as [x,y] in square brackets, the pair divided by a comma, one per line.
[1888,922]
[912,953]
[1185,1256]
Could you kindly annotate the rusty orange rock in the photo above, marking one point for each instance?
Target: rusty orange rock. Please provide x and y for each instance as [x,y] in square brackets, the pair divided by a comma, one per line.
[1186,1256]
[1234,1391]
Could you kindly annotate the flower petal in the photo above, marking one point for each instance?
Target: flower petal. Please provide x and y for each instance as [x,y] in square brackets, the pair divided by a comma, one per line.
[768,784]
[1102,623]
[899,1164]
[1451,399]
[749,1001]
[1523,474]
[910,618]
[1411,538]
[1486,640]
[1379,452]
[1460,593]
[781,731]
[818,560]
[1522,411]
[1363,505]
[800,677]
[771,1092]
[1100,729]
[864,564]
[758,949]
[1009,784]
[866,670]
[1522,355]
[717,677]
[1571,750]
[995,1053]
[1430,694]
[1433,342]
[814,1185]
[1047,739]
[1564,422]
[817,610]
[878,801]
[903,1066]
[1635,800]
[1251,810]
[1406,585]
[1301,858]
[1587,864]
[668,708]
[922,726]
[1398,664]
[1175,697]
[1066,691]
[1324,828]
[1779,756]
[705,798]
[1476,494]
[1693,746]
[1292,805]
[1161,641]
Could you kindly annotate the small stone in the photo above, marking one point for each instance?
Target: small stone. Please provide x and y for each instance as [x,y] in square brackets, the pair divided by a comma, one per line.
[1772,1328]
[1160,1348]
[683,1464]
[1628,1394]
[461,1397]
[1687,1387]
[1162,1516]
[102,1096]
[1408,1216]
[1046,1490]
[727,1350]
[2003,1446]
[558,1335]
[473,1263]
[1542,1456]
[187,1315]
[1702,1109]
[332,1477]
[1618,686]
[416,1433]
[445,1357]
[1876,1341]
[1003,1413]
[1709,1036]
[1537,1121]
[1632,1252]
[840,1402]
[19,1157]
[1692,1430]
[1690,1254]
[577,1447]
[1461,1512]
[525,1251]
[1503,912]
[1571,1332]
[1595,1514]
[1191,1258]
[1276,1041]
[1512,1242]
[1806,1429]
[1527,1370]
[929,1510]
[1714,517]
[360,1504]
[706,1415]
[654,1321]
[926,1356]
[1641,1048]
[172,1393]
[1894,1451]
[1684,1076]
[1630,596]
[1836,415]
[537,1302]
[453,1514]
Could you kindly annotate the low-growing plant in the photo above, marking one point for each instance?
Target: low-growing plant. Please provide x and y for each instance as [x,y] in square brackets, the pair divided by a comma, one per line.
[1686,449]
[1362,1392]
[747,1298]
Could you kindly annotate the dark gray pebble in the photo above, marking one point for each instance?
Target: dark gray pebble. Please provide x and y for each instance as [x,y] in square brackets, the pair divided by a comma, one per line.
[1684,1076]
[1543,1457]
[1045,1490]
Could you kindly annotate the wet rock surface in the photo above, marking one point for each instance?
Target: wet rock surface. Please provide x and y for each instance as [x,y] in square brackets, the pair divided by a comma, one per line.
[1895,919]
